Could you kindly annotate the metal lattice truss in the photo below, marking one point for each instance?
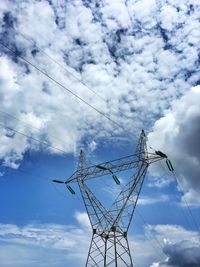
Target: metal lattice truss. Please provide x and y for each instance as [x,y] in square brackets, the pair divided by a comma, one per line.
[109,244]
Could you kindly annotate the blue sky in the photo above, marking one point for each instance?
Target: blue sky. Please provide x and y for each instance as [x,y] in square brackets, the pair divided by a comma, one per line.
[137,62]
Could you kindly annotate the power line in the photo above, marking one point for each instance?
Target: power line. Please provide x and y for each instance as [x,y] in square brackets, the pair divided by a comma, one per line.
[32,138]
[186,203]
[184,199]
[62,66]
[26,172]
[155,238]
[70,72]
[28,124]
[183,213]
[43,178]
[62,86]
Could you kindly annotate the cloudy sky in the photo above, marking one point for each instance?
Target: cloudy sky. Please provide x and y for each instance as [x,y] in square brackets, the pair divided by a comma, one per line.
[91,74]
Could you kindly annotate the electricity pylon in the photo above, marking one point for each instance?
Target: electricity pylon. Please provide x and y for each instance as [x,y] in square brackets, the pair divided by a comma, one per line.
[109,245]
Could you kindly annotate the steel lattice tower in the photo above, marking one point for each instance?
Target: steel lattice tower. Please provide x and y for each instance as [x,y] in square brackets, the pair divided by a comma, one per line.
[109,245]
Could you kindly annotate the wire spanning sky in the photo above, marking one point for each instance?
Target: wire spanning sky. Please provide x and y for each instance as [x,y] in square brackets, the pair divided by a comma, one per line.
[127,65]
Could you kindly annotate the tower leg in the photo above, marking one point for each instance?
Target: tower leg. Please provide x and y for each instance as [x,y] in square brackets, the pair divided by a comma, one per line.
[109,250]
[97,252]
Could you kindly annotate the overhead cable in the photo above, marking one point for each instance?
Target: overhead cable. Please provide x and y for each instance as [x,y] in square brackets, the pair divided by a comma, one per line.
[62,86]
[70,73]
[32,138]
[28,124]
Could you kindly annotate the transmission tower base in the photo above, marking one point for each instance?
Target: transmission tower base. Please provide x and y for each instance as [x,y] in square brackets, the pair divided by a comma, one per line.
[109,249]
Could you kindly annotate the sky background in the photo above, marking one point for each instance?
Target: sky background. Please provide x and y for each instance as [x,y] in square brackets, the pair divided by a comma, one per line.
[138,63]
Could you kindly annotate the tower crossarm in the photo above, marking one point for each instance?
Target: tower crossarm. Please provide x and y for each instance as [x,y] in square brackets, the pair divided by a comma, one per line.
[113,166]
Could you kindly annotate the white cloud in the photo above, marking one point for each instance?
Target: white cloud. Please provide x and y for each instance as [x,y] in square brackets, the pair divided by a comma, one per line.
[177,134]
[169,16]
[69,244]
[171,233]
[115,14]
[40,21]
[180,254]
[43,244]
[149,250]
[180,246]
[132,57]
[160,178]
[83,219]
[145,12]
[148,200]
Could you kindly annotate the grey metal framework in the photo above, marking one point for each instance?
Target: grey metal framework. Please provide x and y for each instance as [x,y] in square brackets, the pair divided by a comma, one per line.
[109,245]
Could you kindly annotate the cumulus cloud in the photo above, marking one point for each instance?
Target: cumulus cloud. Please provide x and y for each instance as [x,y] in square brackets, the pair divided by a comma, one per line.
[83,219]
[68,244]
[30,245]
[180,246]
[148,200]
[138,55]
[177,134]
[183,254]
